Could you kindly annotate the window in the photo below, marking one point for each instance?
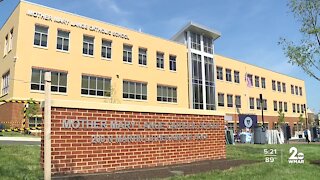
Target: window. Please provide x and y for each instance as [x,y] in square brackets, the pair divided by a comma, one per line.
[292,89]
[298,108]
[220,99]
[280,106]
[258,103]
[209,83]
[275,106]
[228,75]
[263,82]
[302,108]
[279,86]
[207,45]
[41,36]
[143,56]
[300,91]
[173,63]
[284,88]
[127,53]
[11,40]
[35,122]
[229,100]
[236,77]
[106,49]
[160,61]
[238,101]
[5,83]
[256,81]
[264,104]
[63,40]
[285,107]
[296,88]
[195,41]
[166,94]
[197,81]
[6,44]
[251,103]
[88,45]
[273,85]
[134,90]
[95,86]
[220,73]
[293,107]
[249,80]
[58,81]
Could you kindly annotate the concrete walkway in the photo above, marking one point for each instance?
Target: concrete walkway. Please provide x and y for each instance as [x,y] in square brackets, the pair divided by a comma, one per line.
[20,140]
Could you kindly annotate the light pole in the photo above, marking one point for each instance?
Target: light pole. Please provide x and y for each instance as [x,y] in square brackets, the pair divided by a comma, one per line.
[262,106]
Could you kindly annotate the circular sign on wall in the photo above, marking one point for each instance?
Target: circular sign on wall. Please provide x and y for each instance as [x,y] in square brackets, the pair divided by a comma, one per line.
[248,122]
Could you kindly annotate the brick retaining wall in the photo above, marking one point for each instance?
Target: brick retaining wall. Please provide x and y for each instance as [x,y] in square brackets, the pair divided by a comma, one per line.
[74,152]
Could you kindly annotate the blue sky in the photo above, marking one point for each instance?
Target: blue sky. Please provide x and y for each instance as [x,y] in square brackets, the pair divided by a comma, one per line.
[250,29]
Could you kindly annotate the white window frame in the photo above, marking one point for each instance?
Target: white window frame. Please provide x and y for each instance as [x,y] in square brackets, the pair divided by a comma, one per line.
[142,59]
[63,39]
[127,53]
[106,47]
[160,60]
[173,62]
[41,34]
[88,44]
[5,83]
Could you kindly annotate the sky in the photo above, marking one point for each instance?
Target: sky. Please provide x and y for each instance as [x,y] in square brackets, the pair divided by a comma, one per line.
[250,29]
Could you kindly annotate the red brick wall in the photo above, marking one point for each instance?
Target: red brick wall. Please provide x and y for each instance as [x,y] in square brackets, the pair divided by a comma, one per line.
[73,151]
[12,114]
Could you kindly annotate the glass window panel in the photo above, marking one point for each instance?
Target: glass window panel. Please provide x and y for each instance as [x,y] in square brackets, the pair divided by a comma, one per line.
[99,83]
[35,77]
[93,82]
[84,82]
[63,79]
[54,78]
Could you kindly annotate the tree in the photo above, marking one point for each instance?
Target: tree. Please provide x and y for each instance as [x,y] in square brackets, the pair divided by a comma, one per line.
[32,108]
[301,121]
[306,53]
[281,118]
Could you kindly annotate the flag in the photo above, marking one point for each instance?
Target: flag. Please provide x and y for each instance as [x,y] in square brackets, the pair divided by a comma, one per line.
[248,80]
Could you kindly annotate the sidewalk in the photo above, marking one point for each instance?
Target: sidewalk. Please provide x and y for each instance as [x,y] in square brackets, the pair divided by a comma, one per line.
[20,140]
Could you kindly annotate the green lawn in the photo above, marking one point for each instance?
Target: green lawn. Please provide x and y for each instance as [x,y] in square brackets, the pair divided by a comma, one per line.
[20,162]
[270,171]
[16,134]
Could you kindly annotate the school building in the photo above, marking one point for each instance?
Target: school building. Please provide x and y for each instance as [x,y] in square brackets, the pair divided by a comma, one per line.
[98,62]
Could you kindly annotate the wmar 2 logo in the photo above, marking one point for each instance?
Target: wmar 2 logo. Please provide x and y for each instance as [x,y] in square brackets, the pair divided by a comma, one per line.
[295,158]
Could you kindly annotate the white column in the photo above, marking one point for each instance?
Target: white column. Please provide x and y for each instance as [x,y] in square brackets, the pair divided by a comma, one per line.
[190,70]
[47,127]
[203,74]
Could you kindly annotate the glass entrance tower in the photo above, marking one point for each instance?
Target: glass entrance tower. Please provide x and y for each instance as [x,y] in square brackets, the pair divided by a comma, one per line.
[200,43]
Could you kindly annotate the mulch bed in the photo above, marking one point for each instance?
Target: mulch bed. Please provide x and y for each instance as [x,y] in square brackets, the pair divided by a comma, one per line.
[162,172]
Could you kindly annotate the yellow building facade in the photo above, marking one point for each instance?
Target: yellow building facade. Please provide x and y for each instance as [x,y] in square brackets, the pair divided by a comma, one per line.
[94,61]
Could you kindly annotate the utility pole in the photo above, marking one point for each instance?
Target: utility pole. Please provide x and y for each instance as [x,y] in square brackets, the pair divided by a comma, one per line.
[47,127]
[262,106]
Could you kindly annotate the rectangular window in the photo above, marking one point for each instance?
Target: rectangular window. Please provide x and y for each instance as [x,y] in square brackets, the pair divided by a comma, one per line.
[195,41]
[236,77]
[41,36]
[238,101]
[58,81]
[298,108]
[6,45]
[229,100]
[256,81]
[35,122]
[228,75]
[275,106]
[285,107]
[251,102]
[106,49]
[11,40]
[292,89]
[284,88]
[173,63]
[63,40]
[296,88]
[207,45]
[302,108]
[273,85]
[263,82]
[134,90]
[250,80]
[166,94]
[220,73]
[293,107]
[127,53]
[220,99]
[300,91]
[5,83]
[209,83]
[95,86]
[258,103]
[88,45]
[197,83]
[279,86]
[143,56]
[160,60]
[280,106]
[265,104]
